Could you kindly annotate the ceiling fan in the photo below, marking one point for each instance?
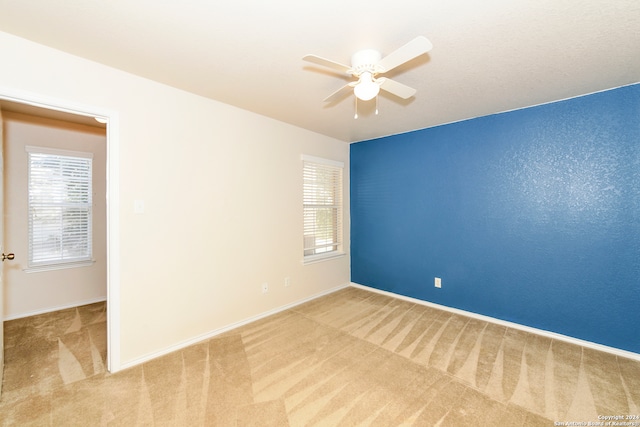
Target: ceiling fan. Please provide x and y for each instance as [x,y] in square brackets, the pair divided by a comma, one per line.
[367,64]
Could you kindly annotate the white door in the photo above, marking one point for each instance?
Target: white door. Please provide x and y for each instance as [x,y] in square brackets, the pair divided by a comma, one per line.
[2,255]
[1,252]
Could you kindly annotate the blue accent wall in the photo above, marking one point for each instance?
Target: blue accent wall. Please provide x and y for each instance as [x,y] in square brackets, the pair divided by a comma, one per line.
[530,216]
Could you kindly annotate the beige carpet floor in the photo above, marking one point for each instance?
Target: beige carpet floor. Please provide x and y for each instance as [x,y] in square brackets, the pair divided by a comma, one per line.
[352,358]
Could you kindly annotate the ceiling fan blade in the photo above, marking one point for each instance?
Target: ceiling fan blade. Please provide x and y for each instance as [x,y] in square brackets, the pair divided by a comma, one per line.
[395,88]
[327,63]
[339,93]
[414,48]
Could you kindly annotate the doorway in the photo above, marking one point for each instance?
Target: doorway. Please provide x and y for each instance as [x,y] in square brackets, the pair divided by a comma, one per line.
[62,110]
[57,166]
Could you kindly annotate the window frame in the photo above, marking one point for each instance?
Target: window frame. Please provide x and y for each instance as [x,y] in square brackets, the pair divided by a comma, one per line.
[86,207]
[336,228]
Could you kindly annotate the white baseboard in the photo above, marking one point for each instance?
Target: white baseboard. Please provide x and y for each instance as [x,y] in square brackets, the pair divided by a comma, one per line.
[215,332]
[548,334]
[56,308]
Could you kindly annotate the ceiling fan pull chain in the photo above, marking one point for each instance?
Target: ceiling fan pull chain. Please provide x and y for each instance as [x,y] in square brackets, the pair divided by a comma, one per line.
[356,115]
[376,105]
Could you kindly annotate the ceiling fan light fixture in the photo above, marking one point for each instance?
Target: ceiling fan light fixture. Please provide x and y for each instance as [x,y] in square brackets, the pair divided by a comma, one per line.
[366,89]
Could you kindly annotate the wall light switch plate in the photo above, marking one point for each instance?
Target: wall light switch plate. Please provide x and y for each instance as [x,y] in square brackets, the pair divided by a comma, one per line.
[138,206]
[438,282]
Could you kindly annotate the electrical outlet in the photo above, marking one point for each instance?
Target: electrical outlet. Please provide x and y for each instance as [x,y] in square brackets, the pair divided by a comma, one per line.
[287,282]
[438,282]
[265,287]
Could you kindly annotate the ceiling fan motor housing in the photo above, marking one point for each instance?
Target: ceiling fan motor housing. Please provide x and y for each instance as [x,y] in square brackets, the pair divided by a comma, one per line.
[365,60]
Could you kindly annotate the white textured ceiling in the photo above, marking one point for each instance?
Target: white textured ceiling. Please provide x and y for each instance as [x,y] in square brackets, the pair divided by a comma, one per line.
[488,56]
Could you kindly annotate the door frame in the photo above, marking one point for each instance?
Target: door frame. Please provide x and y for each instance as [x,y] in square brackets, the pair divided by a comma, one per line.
[113,203]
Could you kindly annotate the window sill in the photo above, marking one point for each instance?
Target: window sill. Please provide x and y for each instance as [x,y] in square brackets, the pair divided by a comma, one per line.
[312,259]
[62,266]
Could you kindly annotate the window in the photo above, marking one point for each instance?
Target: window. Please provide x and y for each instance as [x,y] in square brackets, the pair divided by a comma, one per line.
[322,208]
[60,202]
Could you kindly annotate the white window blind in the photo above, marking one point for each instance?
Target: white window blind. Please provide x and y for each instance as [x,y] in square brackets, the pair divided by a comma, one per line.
[322,206]
[60,204]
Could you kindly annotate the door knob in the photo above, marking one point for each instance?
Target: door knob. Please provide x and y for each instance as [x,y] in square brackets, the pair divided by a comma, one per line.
[8,256]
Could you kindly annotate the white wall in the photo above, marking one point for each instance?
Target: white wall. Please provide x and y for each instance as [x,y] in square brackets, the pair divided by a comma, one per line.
[223,205]
[28,293]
